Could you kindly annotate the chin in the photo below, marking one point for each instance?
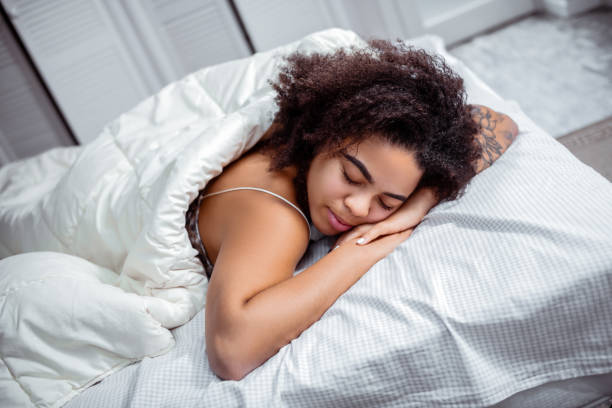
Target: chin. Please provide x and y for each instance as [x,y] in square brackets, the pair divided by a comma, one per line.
[326,230]
[321,224]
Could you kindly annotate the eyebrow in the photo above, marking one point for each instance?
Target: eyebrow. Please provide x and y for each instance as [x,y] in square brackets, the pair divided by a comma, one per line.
[364,170]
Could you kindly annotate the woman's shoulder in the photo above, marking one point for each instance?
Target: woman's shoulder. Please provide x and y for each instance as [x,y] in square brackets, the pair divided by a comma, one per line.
[252,170]
[251,213]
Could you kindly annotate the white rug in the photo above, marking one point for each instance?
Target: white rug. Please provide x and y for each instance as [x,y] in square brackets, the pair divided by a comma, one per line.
[558,70]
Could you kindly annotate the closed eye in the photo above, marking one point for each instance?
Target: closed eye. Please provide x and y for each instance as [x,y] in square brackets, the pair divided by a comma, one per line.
[348,179]
[384,206]
[353,182]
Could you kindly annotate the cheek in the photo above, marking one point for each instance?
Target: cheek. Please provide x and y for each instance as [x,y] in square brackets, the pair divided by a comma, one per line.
[334,188]
[378,213]
[325,185]
[334,185]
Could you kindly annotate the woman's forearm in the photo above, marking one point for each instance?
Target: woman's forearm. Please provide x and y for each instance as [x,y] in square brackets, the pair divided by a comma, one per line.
[421,201]
[277,315]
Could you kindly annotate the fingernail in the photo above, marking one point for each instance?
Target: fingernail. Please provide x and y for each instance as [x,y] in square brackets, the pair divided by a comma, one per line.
[361,241]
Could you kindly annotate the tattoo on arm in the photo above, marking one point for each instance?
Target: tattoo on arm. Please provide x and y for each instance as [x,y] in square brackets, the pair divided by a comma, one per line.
[509,136]
[490,147]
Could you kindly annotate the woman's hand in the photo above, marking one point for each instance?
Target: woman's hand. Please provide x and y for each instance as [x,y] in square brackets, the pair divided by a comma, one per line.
[408,216]
[377,248]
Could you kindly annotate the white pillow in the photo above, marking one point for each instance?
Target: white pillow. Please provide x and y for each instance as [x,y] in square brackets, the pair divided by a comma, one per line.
[499,291]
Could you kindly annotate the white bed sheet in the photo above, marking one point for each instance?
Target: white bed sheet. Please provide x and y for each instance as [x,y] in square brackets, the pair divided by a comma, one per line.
[181,379]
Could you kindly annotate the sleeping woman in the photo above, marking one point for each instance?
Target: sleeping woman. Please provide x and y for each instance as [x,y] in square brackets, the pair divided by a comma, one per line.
[364,144]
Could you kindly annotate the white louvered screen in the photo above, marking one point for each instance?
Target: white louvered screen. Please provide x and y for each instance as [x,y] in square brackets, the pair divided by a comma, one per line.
[271,23]
[28,123]
[186,35]
[82,58]
[457,20]
[6,153]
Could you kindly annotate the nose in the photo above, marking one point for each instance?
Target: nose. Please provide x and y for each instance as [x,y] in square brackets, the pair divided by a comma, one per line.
[358,204]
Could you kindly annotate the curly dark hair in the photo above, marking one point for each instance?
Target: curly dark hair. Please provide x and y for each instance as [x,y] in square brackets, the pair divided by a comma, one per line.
[405,95]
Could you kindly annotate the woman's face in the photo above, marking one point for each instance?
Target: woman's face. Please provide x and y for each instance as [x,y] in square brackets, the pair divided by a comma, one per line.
[365,183]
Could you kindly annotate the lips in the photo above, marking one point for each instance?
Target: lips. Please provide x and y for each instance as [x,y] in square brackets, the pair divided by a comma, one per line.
[336,223]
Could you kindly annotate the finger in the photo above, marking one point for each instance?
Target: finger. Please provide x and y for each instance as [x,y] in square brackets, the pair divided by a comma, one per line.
[399,237]
[389,242]
[347,236]
[354,233]
[373,233]
[340,240]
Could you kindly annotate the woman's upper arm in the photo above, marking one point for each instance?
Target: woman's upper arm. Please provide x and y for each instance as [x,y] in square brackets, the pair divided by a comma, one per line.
[263,242]
[497,132]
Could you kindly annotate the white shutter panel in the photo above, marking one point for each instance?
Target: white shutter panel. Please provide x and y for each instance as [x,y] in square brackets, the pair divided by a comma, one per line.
[82,59]
[271,23]
[455,21]
[186,35]
[6,153]
[28,123]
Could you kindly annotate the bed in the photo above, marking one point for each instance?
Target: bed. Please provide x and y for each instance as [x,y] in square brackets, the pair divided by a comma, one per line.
[500,298]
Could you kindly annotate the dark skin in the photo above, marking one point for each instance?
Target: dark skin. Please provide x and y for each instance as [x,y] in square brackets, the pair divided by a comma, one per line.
[254,303]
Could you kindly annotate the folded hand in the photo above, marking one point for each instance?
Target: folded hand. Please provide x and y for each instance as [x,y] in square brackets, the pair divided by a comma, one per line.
[408,216]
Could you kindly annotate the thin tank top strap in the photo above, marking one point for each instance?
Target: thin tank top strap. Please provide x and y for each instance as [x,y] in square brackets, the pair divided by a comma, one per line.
[263,191]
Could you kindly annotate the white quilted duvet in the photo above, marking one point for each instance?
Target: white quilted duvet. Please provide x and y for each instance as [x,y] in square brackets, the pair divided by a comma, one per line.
[105,265]
[501,291]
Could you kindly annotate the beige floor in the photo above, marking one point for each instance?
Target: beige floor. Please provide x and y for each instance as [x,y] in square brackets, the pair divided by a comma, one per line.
[593,146]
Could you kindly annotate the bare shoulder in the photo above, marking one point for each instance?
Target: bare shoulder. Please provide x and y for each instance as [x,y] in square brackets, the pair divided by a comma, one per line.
[258,238]
[250,170]
[264,240]
[494,123]
[496,134]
